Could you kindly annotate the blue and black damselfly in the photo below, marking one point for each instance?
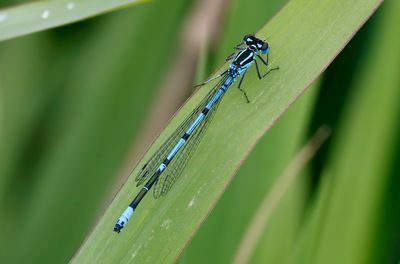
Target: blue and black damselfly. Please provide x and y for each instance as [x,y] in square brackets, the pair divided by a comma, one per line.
[167,163]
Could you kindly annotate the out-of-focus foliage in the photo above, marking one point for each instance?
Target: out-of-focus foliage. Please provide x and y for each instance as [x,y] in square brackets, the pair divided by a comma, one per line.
[31,17]
[73,99]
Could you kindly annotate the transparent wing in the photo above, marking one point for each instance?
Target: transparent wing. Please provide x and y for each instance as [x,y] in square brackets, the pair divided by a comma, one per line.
[158,157]
[178,164]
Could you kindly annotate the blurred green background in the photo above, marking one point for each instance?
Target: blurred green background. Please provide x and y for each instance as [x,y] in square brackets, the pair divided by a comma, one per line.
[75,105]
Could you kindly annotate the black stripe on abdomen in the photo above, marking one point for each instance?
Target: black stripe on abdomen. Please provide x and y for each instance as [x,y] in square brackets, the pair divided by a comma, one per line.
[205,111]
[185,136]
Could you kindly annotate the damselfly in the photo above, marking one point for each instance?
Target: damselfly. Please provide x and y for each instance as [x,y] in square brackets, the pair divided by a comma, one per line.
[167,163]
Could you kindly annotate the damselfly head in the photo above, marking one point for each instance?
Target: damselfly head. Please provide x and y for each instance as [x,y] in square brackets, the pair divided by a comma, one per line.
[251,40]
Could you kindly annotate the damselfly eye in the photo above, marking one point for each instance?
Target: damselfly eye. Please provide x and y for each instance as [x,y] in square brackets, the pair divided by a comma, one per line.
[265,48]
[249,39]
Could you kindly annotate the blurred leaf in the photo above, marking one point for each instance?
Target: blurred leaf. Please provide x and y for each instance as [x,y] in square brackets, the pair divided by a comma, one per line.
[347,213]
[21,101]
[98,93]
[305,36]
[289,194]
[39,15]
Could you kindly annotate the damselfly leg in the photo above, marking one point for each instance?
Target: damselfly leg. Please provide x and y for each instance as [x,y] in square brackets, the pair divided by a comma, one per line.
[243,91]
[239,47]
[270,70]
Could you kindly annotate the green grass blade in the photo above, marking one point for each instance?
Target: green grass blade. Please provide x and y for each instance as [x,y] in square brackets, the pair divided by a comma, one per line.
[305,37]
[28,18]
